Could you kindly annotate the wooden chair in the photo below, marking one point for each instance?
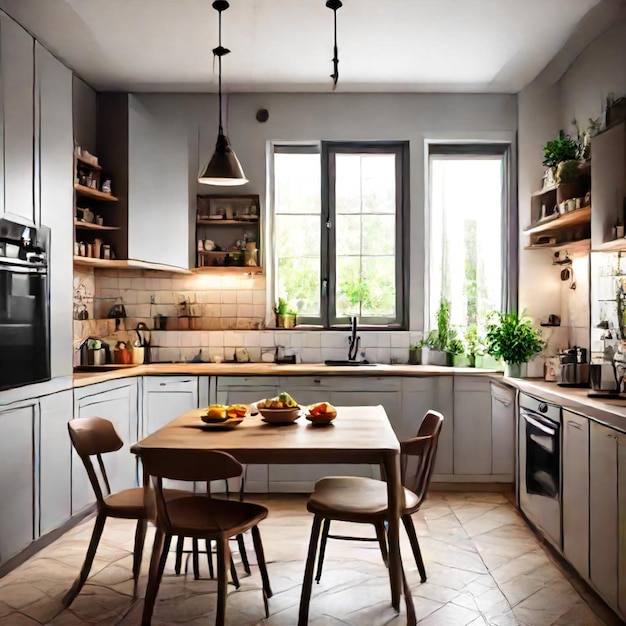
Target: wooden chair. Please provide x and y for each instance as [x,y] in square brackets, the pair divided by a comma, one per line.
[364,500]
[95,436]
[199,517]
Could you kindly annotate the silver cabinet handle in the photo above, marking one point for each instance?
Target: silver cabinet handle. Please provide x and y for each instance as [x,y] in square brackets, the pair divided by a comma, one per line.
[174,383]
[317,381]
[575,425]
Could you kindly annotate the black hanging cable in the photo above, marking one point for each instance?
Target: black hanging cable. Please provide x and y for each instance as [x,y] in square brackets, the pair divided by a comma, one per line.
[219,52]
[334,5]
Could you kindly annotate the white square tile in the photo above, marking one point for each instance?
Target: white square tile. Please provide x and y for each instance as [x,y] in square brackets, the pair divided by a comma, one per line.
[216,338]
[311,355]
[244,296]
[252,339]
[164,297]
[384,339]
[399,339]
[244,310]
[259,311]
[334,339]
[189,338]
[312,339]
[295,340]
[153,284]
[233,339]
[369,339]
[129,296]
[229,310]
[169,339]
[229,297]
[282,338]
[399,355]
[267,339]
[383,355]
[333,353]
[258,297]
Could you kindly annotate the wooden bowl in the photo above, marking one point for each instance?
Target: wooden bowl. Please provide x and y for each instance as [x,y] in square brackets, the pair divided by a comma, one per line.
[324,418]
[280,416]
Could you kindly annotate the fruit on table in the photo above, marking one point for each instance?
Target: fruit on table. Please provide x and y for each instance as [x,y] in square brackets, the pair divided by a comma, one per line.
[282,401]
[217,412]
[323,408]
[237,410]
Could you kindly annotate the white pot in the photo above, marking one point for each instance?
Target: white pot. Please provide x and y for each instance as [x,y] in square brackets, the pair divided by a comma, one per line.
[515,370]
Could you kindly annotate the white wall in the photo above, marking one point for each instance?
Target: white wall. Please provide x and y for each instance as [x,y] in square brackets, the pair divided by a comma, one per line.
[293,117]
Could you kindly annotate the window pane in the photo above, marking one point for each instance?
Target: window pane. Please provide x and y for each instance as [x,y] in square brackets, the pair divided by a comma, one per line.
[466,237]
[297,226]
[365,235]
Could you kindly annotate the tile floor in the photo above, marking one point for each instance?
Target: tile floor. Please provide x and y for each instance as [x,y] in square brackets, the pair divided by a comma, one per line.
[484,566]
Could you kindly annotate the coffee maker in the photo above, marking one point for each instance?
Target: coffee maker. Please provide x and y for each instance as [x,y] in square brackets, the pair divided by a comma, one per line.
[574,368]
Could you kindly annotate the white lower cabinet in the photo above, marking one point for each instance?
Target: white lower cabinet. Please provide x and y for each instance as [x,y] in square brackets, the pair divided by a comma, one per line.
[17,487]
[503,432]
[576,491]
[603,511]
[55,460]
[117,402]
[166,397]
[621,506]
[472,426]
[418,396]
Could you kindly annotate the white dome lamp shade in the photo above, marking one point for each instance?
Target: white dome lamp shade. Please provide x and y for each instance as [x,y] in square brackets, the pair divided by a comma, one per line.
[224,168]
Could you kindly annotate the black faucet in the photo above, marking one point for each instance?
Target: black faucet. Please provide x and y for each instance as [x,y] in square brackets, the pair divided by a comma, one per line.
[354,341]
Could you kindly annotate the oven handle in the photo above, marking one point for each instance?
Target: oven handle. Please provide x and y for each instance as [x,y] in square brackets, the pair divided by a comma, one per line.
[537,424]
[21,269]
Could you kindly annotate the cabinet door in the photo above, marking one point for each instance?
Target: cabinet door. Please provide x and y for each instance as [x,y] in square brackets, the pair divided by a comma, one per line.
[608,184]
[55,467]
[167,397]
[16,479]
[119,405]
[576,491]
[160,207]
[55,176]
[621,485]
[603,512]
[472,426]
[16,68]
[503,431]
[418,396]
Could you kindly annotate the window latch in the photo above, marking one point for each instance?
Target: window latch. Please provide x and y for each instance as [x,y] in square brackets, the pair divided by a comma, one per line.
[324,287]
[329,224]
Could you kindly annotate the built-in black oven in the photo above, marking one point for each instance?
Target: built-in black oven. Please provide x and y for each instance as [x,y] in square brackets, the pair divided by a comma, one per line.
[24,303]
[540,465]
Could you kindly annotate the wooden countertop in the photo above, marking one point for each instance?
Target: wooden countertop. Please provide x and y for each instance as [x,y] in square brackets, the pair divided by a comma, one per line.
[82,379]
[608,412]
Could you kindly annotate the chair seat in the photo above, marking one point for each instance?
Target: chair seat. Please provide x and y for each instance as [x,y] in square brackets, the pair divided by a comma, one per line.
[199,516]
[130,503]
[354,499]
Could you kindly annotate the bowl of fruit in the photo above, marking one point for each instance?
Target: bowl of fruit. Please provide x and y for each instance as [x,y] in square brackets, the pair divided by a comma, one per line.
[282,409]
[321,413]
[223,413]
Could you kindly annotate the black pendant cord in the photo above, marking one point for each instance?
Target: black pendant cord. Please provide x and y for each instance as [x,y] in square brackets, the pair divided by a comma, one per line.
[219,52]
[334,5]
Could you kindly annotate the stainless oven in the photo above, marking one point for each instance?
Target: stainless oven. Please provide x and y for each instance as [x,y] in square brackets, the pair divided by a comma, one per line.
[24,304]
[540,465]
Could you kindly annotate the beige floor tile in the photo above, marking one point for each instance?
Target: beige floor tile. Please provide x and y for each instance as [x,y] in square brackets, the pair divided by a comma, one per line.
[17,619]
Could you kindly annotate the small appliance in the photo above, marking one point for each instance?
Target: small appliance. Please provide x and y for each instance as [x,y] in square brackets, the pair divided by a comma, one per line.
[574,368]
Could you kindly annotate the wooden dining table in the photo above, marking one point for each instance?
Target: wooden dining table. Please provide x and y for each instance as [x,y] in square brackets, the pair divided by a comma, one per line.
[359,434]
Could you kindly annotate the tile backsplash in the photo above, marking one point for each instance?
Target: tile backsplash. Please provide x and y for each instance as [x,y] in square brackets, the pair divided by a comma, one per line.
[224,312]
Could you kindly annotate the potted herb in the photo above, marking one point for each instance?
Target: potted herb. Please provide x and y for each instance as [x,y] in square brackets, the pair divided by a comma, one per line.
[456,349]
[285,317]
[563,148]
[512,339]
[434,350]
[415,352]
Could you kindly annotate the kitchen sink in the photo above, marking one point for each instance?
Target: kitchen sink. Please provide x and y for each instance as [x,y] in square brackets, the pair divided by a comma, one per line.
[348,363]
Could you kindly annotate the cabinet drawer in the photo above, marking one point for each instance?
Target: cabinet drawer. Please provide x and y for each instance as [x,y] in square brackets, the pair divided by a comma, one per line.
[471,383]
[341,383]
[239,382]
[170,383]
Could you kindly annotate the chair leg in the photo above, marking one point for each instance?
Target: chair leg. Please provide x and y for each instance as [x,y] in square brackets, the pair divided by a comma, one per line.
[415,546]
[244,555]
[320,558]
[180,542]
[260,557]
[222,580]
[233,572]
[140,537]
[195,559]
[305,597]
[209,556]
[157,564]
[381,535]
[91,553]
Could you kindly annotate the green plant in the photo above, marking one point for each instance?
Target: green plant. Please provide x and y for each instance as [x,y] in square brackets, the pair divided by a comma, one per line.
[512,338]
[281,307]
[455,346]
[567,171]
[443,326]
[563,148]
[474,344]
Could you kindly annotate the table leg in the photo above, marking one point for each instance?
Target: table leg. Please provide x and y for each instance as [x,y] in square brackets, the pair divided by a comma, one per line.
[395,499]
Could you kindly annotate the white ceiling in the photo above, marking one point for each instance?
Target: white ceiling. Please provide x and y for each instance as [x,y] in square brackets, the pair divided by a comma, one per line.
[286,45]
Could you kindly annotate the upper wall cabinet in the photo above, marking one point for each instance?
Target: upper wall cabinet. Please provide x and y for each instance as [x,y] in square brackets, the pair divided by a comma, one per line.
[147,151]
[16,69]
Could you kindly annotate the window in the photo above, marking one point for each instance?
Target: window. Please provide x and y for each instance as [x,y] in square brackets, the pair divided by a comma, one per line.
[468,251]
[340,219]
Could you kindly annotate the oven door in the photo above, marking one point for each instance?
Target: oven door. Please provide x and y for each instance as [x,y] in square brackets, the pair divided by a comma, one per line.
[24,333]
[540,472]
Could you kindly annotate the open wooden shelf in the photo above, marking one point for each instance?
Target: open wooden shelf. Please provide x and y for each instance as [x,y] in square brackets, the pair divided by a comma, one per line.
[88,164]
[91,226]
[231,269]
[615,245]
[127,264]
[226,222]
[583,245]
[573,218]
[543,191]
[94,193]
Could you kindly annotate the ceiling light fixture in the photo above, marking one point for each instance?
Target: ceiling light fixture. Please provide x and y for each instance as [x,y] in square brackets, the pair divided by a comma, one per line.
[224,167]
[334,5]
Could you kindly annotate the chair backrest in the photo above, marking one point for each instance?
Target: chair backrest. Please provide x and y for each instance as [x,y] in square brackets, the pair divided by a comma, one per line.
[94,436]
[189,465]
[423,448]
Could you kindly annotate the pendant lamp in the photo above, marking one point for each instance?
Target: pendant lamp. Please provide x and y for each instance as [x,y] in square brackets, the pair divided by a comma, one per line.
[224,167]
[333,5]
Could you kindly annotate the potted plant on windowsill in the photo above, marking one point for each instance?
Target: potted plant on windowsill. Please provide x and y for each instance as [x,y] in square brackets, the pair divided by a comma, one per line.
[435,348]
[285,317]
[514,340]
